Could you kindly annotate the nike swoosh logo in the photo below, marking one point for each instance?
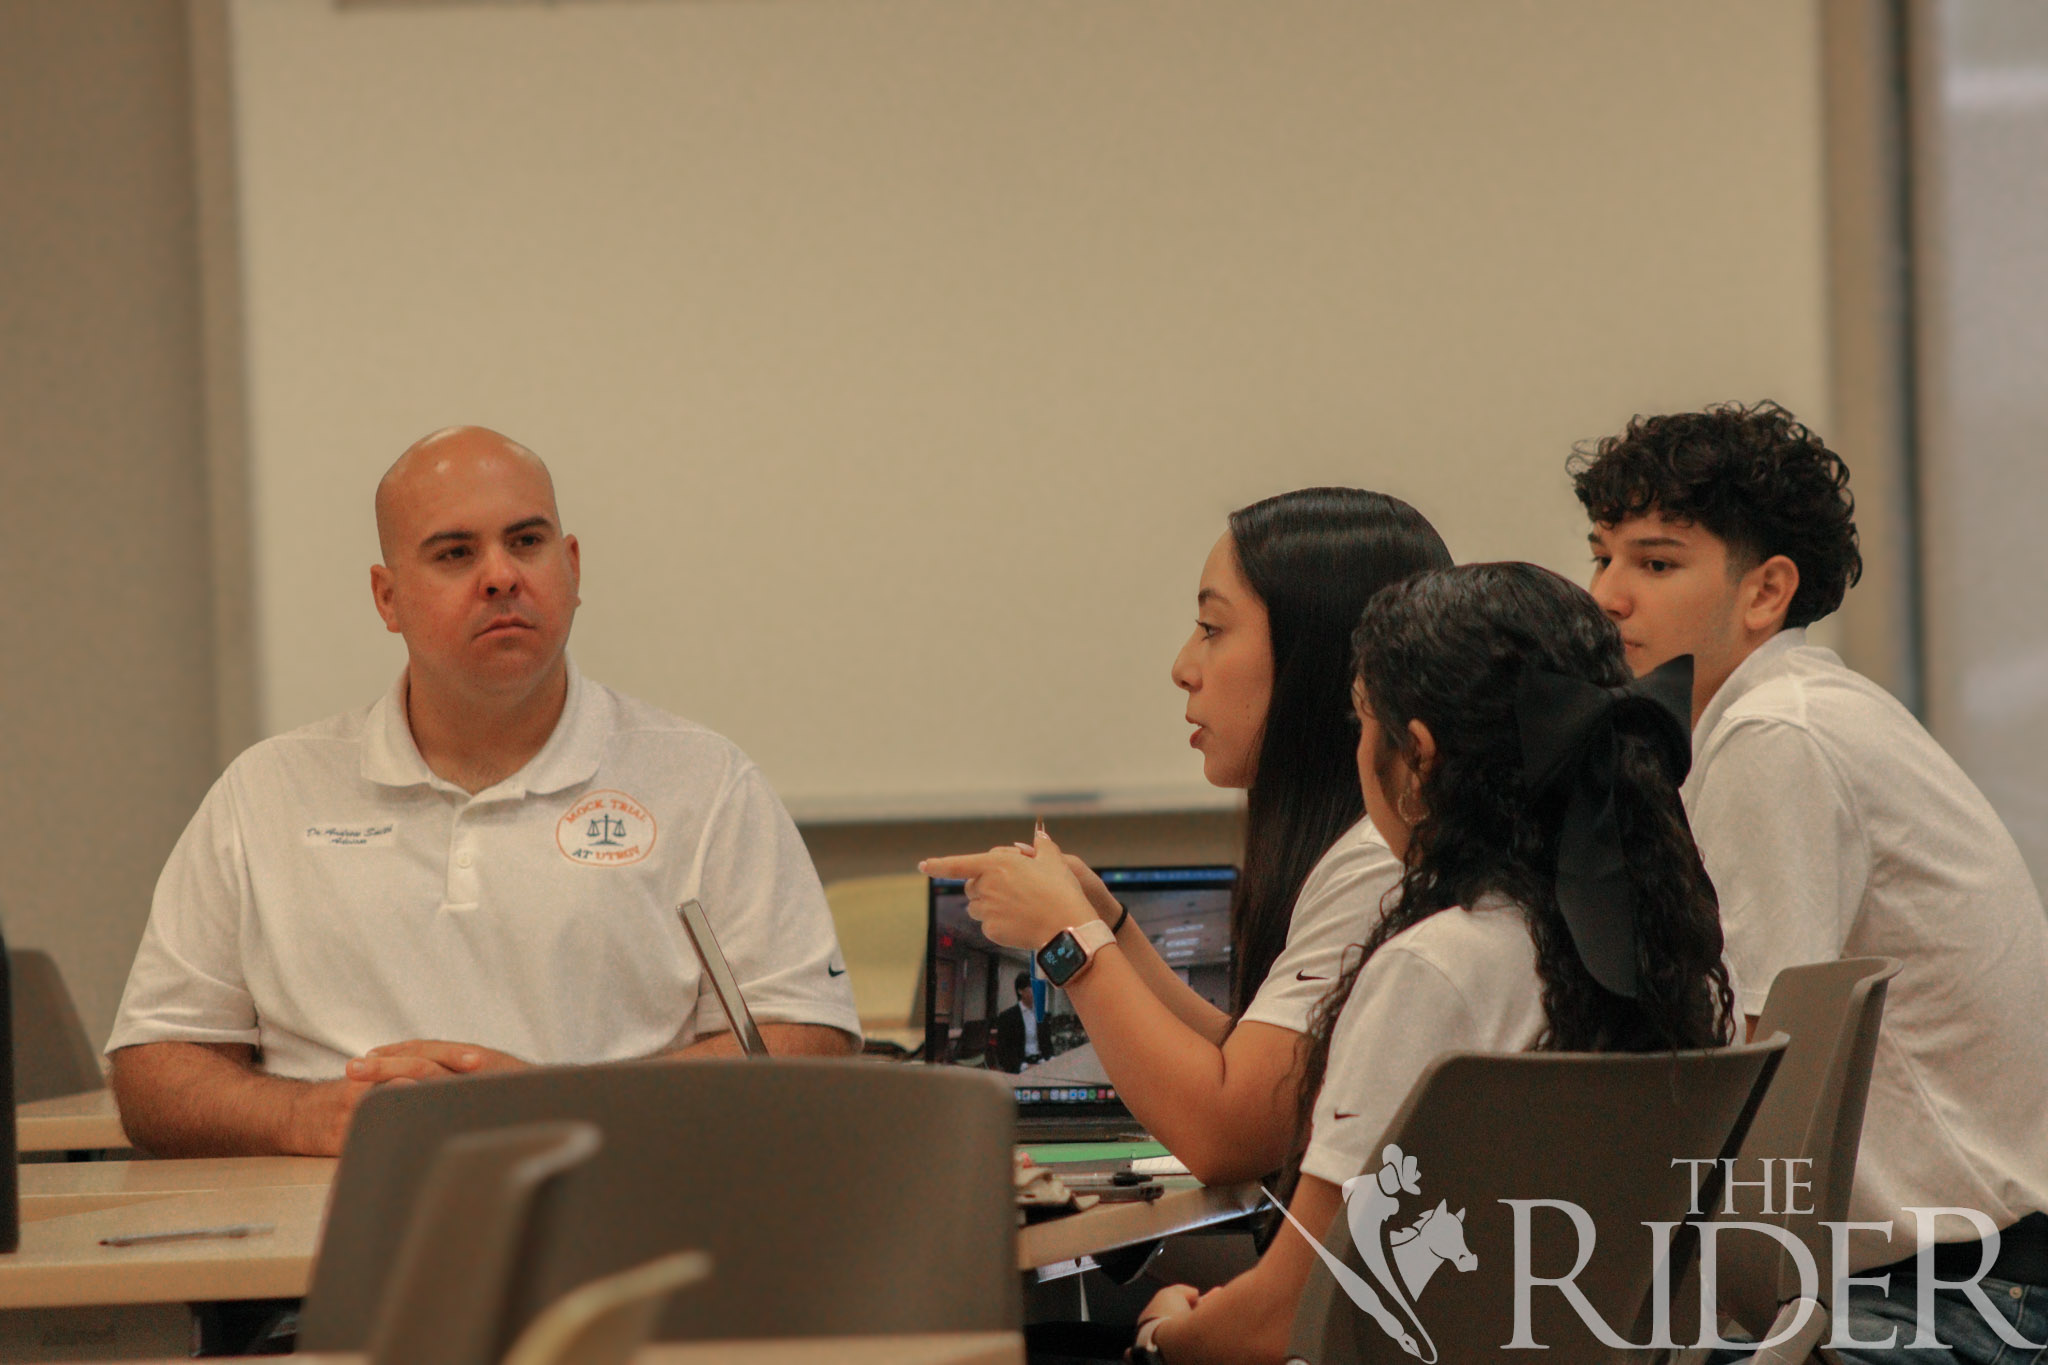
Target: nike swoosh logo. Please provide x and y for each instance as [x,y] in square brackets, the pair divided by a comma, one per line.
[1340,1114]
[831,970]
[1304,976]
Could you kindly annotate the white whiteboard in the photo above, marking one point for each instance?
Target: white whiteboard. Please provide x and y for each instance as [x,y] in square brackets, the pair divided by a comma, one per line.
[898,360]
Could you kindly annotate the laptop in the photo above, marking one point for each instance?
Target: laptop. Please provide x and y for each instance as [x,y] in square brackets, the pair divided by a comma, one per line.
[719,972]
[975,1014]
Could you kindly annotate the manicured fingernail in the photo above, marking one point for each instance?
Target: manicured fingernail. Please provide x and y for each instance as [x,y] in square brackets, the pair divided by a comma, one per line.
[1022,847]
[470,1059]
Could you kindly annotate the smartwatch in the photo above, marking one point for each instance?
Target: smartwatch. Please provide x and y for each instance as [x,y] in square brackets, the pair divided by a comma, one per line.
[1073,949]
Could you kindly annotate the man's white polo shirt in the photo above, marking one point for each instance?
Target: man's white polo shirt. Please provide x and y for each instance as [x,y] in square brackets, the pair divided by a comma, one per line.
[1834,826]
[333,895]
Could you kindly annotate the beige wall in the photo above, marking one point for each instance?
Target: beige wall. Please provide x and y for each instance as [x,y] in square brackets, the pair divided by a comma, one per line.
[126,674]
[898,359]
[871,850]
[1982,329]
[106,685]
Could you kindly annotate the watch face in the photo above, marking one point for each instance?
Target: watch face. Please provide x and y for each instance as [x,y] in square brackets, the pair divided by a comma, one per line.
[1061,958]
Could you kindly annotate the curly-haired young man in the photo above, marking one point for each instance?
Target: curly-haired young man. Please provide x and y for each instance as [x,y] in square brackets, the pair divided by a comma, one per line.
[1834,826]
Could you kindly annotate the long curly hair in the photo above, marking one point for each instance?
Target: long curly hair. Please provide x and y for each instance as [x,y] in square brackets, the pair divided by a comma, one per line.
[1313,556]
[1449,649]
[1755,477]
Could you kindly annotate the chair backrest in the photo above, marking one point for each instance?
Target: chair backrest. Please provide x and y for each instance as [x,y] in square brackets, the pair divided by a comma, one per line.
[52,1054]
[449,1279]
[1599,1131]
[881,927]
[607,1320]
[1814,1113]
[882,1193]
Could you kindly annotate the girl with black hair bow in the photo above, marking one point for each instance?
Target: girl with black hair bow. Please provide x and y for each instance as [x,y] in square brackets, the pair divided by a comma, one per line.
[1551,896]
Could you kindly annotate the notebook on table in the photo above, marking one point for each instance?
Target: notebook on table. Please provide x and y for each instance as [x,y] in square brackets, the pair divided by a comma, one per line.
[974,1015]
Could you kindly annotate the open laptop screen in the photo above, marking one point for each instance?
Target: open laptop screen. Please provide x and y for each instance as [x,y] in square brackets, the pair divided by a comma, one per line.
[988,1006]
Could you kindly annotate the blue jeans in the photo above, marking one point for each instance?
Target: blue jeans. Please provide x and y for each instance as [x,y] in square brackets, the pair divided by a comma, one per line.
[1957,1323]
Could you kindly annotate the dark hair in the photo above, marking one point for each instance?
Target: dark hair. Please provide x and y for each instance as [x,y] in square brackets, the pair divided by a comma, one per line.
[1313,557]
[1023,982]
[1754,477]
[1449,649]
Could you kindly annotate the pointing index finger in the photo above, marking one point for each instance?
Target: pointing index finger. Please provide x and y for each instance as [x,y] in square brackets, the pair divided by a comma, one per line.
[960,866]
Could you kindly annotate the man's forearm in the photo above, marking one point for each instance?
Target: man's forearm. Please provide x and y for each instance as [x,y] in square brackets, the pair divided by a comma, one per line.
[208,1099]
[784,1040]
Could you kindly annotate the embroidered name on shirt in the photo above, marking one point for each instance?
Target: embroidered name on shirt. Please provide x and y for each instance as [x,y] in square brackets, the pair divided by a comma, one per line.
[350,836]
[605,829]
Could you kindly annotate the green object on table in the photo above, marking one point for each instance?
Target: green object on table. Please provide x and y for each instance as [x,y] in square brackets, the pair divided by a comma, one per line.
[1053,1153]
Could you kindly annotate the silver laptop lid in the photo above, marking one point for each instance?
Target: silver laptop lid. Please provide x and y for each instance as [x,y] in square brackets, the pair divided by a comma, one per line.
[698,925]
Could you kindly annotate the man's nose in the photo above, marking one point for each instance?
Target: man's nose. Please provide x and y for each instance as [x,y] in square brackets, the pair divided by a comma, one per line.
[1608,594]
[499,574]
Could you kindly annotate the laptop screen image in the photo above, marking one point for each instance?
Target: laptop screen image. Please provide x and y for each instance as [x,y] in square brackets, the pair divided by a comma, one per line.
[989,1006]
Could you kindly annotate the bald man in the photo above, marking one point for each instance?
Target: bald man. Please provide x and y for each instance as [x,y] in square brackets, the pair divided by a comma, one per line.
[478,872]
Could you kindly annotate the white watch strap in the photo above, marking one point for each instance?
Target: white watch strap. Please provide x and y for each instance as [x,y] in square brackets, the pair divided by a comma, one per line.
[1093,936]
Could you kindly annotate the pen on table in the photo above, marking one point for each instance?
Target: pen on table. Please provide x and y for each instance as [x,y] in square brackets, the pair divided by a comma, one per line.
[137,1239]
[1105,1180]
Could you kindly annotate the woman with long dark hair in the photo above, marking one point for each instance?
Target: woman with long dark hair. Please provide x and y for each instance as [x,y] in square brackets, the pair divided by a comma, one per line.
[1267,676]
[1489,699]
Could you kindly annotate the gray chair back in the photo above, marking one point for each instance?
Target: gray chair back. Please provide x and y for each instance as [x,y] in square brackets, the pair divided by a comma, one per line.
[52,1054]
[1598,1130]
[834,1197]
[448,1283]
[1833,1012]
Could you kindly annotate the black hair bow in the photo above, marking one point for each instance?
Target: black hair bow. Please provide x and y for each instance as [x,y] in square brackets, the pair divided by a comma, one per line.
[1570,748]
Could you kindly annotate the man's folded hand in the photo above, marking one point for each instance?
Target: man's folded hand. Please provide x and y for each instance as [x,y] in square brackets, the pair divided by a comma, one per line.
[428,1059]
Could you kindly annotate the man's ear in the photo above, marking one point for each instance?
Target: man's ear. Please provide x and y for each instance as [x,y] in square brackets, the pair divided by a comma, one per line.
[381,589]
[575,569]
[1767,593]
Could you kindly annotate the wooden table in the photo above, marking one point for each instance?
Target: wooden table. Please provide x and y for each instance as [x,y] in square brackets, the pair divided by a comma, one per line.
[946,1348]
[66,1209]
[65,1296]
[70,1123]
[1185,1207]
[136,1295]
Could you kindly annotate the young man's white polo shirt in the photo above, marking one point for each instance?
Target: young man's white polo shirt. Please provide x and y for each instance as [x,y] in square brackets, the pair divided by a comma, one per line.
[1460,981]
[1337,910]
[333,894]
[1834,826]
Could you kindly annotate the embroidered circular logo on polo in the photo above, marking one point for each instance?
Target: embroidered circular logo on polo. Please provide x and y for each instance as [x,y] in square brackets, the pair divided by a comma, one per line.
[605,829]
